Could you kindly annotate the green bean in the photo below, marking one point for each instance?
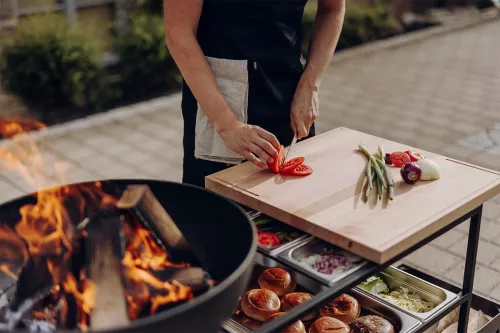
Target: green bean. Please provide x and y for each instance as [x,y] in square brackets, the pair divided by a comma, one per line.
[387,172]
[390,180]
[367,192]
[379,188]
[375,165]
[391,192]
[381,152]
[369,173]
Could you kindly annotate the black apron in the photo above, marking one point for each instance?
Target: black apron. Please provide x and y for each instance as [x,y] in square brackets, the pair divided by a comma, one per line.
[267,34]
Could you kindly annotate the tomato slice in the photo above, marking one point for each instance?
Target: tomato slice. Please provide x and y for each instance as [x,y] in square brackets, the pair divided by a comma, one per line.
[301,170]
[268,239]
[278,161]
[414,156]
[399,159]
[290,165]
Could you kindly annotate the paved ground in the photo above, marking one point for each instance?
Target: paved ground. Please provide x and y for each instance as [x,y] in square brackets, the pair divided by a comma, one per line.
[439,94]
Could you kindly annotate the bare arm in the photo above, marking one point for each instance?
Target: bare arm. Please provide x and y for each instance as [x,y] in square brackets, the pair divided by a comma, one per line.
[325,36]
[181,24]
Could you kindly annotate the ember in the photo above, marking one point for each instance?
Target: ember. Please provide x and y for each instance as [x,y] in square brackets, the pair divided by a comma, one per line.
[54,254]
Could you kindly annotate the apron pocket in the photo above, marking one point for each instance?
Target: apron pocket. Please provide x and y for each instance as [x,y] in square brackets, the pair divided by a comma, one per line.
[231,77]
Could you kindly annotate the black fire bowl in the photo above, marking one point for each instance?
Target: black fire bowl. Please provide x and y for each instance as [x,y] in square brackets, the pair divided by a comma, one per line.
[223,239]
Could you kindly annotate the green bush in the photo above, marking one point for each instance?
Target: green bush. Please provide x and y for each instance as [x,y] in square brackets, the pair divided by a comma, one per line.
[49,63]
[362,23]
[146,65]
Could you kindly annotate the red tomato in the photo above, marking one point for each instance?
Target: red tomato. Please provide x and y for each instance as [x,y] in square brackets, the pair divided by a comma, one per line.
[399,159]
[290,165]
[278,161]
[414,156]
[301,170]
[268,239]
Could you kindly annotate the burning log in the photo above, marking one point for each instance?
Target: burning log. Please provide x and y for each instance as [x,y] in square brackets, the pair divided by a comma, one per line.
[193,277]
[141,199]
[105,248]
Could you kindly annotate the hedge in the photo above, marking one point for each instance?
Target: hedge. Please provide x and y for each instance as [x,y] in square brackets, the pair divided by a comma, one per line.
[49,63]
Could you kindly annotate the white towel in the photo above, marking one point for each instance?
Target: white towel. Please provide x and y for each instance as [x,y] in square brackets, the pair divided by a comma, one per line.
[232,79]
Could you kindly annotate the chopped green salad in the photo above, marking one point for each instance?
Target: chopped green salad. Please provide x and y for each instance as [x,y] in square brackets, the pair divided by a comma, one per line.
[401,297]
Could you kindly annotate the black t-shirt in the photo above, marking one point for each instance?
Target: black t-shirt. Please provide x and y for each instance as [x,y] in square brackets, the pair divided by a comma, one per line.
[267,33]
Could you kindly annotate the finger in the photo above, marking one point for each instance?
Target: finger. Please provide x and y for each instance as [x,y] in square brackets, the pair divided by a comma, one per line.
[266,147]
[250,157]
[271,138]
[292,123]
[301,130]
[260,152]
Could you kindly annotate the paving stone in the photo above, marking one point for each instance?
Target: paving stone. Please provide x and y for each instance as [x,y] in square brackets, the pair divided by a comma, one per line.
[490,231]
[491,210]
[8,192]
[155,167]
[100,141]
[448,239]
[496,264]
[80,154]
[81,175]
[485,279]
[458,152]
[114,171]
[433,259]
[495,294]
[487,252]
[96,162]
[136,158]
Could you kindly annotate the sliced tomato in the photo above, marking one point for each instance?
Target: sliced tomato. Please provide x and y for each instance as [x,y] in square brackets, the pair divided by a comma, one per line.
[399,159]
[414,156]
[278,161]
[301,170]
[268,239]
[290,165]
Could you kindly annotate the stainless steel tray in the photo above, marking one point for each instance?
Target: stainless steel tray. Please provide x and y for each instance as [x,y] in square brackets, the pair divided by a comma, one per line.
[401,321]
[275,250]
[303,282]
[395,278]
[292,255]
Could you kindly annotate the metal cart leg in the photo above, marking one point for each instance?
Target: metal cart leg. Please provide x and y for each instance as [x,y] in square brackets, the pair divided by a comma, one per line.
[470,268]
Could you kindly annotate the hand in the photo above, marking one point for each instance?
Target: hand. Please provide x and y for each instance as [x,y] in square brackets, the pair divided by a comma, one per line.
[305,110]
[248,140]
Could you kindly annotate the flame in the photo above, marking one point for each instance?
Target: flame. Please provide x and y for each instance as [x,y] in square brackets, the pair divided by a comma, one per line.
[46,228]
[13,126]
[142,256]
[13,252]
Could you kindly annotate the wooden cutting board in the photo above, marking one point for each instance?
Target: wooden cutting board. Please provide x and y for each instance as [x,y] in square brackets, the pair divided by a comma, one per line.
[328,204]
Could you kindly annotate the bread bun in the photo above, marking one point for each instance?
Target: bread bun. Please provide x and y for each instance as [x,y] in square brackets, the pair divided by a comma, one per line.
[278,281]
[260,304]
[328,325]
[344,307]
[248,322]
[371,324]
[293,299]
[297,327]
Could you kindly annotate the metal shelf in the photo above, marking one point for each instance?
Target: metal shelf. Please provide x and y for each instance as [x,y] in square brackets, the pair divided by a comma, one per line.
[465,295]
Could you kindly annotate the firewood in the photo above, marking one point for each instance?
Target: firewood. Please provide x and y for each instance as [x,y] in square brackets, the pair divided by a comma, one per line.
[105,251]
[141,199]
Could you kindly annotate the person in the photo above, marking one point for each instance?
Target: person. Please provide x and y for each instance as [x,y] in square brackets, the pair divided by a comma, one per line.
[247,88]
